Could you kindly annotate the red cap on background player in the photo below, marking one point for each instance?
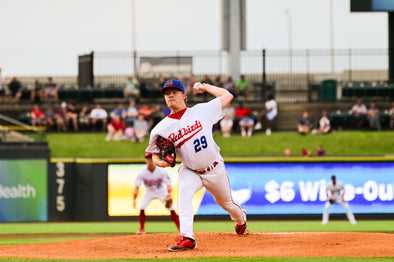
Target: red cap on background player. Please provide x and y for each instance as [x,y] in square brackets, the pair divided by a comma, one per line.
[173,83]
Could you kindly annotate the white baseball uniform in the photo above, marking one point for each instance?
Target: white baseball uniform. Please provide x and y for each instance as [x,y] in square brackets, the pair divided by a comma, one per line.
[191,132]
[155,185]
[337,192]
[272,109]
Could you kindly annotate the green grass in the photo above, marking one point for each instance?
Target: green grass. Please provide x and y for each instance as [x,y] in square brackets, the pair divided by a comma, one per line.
[199,226]
[345,143]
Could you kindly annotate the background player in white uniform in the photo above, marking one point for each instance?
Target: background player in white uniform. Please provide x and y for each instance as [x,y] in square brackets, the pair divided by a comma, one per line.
[190,129]
[335,193]
[157,185]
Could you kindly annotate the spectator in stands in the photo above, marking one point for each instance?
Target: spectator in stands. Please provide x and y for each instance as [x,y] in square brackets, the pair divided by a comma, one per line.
[129,132]
[240,112]
[374,117]
[120,111]
[268,113]
[2,87]
[230,86]
[166,110]
[141,128]
[84,117]
[162,81]
[146,111]
[287,152]
[229,111]
[132,113]
[324,125]
[50,117]
[207,79]
[115,129]
[242,87]
[226,124]
[72,116]
[246,124]
[14,89]
[218,81]
[99,116]
[305,152]
[320,151]
[156,116]
[131,89]
[305,124]
[391,114]
[37,116]
[229,118]
[51,92]
[61,117]
[37,92]
[189,87]
[358,112]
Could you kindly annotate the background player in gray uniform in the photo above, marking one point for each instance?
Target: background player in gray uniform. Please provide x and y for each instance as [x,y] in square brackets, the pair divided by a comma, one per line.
[154,178]
[335,193]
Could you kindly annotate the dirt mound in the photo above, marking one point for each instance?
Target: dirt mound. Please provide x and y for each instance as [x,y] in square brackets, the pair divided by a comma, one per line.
[214,244]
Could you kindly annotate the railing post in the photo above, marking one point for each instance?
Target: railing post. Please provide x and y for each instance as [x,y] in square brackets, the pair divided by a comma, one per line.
[350,65]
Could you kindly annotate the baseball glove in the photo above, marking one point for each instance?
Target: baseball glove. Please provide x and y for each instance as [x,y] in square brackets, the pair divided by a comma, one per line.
[168,201]
[332,201]
[167,150]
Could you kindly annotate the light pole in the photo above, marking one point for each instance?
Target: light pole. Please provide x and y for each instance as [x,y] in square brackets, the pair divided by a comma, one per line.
[289,37]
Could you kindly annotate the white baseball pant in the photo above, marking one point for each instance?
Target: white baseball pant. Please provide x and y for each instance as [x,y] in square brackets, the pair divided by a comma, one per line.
[217,183]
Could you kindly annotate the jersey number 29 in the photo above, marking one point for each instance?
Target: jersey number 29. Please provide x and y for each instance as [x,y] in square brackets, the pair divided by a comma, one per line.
[200,144]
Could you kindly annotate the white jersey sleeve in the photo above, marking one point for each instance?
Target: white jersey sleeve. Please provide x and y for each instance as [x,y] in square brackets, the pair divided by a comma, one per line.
[191,134]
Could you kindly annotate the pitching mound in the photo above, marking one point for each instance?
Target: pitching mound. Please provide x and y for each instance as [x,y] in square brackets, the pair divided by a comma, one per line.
[214,244]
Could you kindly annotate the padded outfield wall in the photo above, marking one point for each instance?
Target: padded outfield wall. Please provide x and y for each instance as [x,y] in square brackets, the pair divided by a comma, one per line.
[101,189]
[34,187]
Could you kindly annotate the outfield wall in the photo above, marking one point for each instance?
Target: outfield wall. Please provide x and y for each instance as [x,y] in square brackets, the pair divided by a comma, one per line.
[275,187]
[36,188]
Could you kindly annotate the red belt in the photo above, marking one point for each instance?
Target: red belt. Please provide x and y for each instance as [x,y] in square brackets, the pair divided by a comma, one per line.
[209,168]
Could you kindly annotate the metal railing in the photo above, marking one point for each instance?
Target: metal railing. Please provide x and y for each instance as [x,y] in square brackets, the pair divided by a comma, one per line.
[289,75]
[12,130]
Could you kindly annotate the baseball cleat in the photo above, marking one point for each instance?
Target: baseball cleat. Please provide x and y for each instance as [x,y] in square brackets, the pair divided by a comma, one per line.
[184,243]
[140,232]
[240,229]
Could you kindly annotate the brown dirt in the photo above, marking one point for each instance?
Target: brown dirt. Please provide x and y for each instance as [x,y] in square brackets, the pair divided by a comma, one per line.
[213,244]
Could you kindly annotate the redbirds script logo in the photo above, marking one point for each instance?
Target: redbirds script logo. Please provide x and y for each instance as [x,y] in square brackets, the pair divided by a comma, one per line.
[186,133]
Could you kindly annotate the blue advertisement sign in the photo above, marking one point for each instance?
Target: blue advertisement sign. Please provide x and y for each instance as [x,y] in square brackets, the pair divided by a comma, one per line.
[299,188]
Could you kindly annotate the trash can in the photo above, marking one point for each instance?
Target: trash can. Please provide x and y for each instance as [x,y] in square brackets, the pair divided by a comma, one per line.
[329,90]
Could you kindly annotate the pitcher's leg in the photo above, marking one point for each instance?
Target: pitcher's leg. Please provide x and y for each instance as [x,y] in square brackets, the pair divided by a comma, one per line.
[218,184]
[188,184]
